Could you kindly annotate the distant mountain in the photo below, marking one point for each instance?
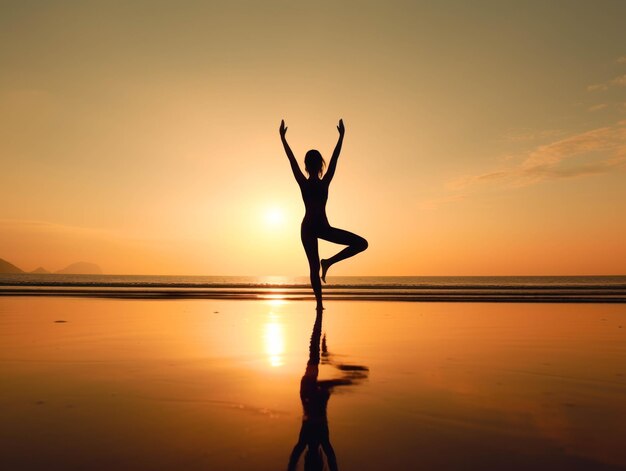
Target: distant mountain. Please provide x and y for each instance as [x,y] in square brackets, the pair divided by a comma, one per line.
[81,268]
[6,268]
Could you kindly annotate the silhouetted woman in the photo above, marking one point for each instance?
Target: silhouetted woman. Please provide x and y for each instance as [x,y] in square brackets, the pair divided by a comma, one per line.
[315,224]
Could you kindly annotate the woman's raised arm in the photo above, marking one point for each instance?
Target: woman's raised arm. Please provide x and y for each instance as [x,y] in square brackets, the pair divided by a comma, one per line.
[295,168]
[333,160]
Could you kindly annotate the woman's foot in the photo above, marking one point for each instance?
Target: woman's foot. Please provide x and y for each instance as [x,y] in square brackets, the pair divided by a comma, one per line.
[325,266]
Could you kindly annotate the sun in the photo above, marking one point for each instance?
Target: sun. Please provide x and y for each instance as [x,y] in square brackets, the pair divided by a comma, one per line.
[274,217]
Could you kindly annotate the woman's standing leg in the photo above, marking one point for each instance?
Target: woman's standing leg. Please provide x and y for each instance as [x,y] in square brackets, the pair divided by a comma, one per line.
[309,241]
[355,244]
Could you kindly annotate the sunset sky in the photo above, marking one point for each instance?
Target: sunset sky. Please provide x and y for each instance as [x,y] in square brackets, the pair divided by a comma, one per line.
[482,138]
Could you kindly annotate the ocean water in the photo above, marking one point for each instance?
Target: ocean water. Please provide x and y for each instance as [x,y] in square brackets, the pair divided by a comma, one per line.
[388,288]
[209,384]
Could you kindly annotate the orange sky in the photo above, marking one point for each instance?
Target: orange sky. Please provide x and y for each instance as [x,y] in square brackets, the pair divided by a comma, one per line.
[482,139]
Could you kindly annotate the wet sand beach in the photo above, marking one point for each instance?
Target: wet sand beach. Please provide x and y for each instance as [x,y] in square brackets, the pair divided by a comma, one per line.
[217,384]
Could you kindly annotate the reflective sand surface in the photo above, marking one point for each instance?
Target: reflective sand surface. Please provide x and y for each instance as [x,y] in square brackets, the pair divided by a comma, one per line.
[205,384]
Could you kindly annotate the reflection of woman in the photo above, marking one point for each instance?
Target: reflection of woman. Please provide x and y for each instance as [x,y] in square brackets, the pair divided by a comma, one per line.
[314,395]
[315,224]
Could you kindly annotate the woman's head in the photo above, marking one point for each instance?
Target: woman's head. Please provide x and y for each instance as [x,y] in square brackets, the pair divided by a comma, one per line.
[314,163]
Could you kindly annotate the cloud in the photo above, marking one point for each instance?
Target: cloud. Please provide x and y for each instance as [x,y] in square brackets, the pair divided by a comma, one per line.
[621,60]
[594,152]
[597,107]
[619,81]
[526,134]
[597,87]
[601,87]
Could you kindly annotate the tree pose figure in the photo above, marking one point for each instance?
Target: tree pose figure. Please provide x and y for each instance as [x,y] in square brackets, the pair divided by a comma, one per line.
[315,224]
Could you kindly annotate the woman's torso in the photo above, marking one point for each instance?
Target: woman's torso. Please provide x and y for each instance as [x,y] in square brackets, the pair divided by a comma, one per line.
[314,194]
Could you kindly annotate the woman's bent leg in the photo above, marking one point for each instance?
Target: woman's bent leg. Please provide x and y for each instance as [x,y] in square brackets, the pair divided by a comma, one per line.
[312,254]
[355,244]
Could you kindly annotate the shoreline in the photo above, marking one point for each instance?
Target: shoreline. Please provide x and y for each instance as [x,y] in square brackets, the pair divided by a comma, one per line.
[503,295]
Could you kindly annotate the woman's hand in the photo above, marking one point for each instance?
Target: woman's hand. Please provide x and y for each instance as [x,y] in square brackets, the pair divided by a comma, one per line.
[340,128]
[283,128]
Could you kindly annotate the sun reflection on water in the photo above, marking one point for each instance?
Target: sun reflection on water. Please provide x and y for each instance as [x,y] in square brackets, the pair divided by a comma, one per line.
[274,340]
[275,300]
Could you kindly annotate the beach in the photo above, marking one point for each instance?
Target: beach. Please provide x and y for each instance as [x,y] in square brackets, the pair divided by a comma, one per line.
[217,384]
